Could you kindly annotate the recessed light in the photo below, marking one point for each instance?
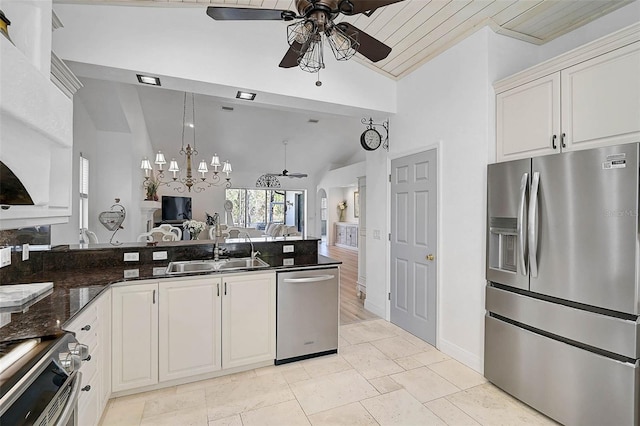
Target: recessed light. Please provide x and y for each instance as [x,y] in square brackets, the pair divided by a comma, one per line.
[227,108]
[247,96]
[146,79]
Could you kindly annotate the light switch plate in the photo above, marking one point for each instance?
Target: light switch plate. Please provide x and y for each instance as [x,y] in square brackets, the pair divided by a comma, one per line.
[159,255]
[131,257]
[5,257]
[287,262]
[288,248]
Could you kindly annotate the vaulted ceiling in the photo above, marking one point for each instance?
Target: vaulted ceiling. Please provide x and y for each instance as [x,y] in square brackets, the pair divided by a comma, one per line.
[418,30]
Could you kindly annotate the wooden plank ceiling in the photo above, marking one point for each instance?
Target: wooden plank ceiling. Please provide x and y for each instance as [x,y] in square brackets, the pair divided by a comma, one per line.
[419,30]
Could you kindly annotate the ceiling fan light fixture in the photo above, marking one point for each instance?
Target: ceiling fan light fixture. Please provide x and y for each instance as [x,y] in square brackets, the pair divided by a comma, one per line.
[344,45]
[312,61]
[299,33]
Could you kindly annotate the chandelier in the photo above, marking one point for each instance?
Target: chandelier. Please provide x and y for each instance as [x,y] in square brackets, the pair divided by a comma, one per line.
[186,183]
[306,39]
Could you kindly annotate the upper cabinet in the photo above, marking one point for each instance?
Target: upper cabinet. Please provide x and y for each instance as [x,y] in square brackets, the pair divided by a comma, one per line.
[586,98]
[36,118]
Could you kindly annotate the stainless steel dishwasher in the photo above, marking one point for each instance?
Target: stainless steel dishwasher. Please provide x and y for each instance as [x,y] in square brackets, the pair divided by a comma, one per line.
[308,310]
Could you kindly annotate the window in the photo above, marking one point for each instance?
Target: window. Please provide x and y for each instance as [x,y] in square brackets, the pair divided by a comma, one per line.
[255,208]
[84,196]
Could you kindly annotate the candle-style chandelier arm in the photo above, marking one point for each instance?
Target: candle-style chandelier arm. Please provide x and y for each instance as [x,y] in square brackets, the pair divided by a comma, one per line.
[186,182]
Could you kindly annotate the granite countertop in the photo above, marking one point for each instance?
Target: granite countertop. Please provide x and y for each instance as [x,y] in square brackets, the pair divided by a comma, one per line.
[75,289]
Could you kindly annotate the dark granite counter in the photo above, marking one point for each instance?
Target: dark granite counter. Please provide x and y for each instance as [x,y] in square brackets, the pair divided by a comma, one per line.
[74,289]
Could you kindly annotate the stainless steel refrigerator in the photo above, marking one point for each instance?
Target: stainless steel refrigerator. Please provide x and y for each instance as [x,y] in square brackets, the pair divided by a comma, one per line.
[563,286]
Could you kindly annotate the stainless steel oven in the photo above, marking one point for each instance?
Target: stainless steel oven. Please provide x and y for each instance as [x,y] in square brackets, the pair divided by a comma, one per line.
[40,381]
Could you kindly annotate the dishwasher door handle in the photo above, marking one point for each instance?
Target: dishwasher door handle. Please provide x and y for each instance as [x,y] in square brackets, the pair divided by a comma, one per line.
[309,279]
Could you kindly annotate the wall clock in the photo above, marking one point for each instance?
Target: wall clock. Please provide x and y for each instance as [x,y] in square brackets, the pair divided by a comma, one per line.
[370,139]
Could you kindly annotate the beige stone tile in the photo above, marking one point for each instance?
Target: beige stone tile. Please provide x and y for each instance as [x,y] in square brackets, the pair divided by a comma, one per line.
[424,384]
[451,414]
[179,401]
[416,341]
[184,417]
[296,375]
[488,405]
[369,361]
[144,396]
[458,374]
[124,414]
[385,384]
[227,421]
[203,384]
[251,393]
[342,343]
[353,414]
[430,357]
[271,369]
[396,347]
[408,362]
[400,408]
[367,331]
[327,392]
[286,413]
[324,365]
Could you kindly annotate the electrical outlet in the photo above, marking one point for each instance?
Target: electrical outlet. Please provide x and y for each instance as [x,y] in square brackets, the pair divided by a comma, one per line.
[5,257]
[288,248]
[159,271]
[25,252]
[131,273]
[376,234]
[159,255]
[287,262]
[131,257]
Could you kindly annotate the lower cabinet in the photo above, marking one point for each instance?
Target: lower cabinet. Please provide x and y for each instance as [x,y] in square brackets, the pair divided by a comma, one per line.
[175,329]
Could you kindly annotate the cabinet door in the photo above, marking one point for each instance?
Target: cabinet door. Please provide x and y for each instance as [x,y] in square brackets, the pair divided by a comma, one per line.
[527,118]
[104,318]
[601,100]
[248,319]
[189,339]
[135,336]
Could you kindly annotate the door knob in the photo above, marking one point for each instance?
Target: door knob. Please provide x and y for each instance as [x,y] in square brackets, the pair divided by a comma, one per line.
[430,257]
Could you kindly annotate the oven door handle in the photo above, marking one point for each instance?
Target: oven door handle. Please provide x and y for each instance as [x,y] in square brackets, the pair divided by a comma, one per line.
[72,402]
[309,279]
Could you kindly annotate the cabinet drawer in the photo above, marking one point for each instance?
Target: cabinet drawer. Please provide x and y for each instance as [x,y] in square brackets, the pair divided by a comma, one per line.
[88,406]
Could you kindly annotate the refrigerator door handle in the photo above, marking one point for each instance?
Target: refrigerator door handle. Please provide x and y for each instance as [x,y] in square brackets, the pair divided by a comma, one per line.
[533,225]
[522,224]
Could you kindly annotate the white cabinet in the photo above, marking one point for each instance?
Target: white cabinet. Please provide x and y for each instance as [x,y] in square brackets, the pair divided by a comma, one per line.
[92,328]
[587,98]
[189,340]
[134,336]
[248,319]
[346,235]
[171,330]
[601,100]
[528,119]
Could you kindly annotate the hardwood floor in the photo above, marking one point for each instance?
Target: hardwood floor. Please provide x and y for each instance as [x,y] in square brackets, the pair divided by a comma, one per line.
[351,307]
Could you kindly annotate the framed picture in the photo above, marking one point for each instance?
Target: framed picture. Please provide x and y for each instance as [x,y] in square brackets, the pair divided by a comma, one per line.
[356,204]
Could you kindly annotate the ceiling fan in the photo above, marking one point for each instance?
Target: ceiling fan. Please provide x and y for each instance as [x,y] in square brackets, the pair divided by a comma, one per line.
[285,172]
[315,19]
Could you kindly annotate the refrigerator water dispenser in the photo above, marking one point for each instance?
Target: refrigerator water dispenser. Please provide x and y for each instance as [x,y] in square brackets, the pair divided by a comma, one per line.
[503,241]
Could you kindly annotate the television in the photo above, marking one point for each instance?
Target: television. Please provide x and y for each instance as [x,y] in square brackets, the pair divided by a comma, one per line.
[176,208]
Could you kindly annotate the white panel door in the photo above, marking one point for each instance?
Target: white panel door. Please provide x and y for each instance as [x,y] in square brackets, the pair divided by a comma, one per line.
[189,337]
[601,100]
[135,336]
[248,319]
[528,119]
[413,244]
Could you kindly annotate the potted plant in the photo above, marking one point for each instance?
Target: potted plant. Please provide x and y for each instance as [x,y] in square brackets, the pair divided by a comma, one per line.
[194,227]
[342,207]
[151,187]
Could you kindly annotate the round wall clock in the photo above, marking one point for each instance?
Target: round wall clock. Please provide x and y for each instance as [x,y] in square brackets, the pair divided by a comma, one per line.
[370,139]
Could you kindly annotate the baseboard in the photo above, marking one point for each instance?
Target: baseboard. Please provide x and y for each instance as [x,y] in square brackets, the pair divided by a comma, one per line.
[378,310]
[469,359]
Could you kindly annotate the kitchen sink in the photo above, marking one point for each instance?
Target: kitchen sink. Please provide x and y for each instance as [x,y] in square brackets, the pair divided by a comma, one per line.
[189,266]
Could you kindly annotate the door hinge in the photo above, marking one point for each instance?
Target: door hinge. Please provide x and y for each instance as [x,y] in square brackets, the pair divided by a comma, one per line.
[389,177]
[389,236]
[389,295]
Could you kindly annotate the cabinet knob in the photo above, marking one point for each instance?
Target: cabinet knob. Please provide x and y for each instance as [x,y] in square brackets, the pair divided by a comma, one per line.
[86,388]
[430,257]
[86,327]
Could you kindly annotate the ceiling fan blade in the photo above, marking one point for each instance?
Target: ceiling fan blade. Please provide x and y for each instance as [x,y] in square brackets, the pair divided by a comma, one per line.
[372,49]
[290,58]
[297,175]
[351,7]
[247,14]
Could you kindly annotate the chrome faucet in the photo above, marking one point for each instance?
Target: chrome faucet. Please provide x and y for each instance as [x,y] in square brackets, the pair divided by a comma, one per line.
[253,253]
[216,224]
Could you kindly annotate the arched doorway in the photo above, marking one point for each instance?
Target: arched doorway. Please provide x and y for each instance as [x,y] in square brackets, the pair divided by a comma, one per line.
[322,214]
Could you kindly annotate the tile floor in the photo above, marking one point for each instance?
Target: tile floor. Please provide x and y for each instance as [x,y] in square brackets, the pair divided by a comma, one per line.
[382,375]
